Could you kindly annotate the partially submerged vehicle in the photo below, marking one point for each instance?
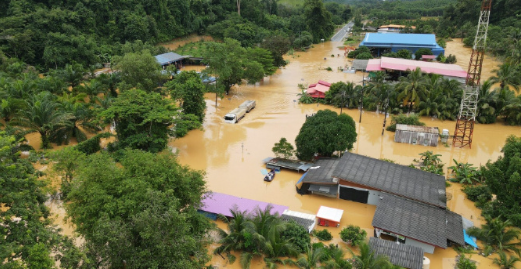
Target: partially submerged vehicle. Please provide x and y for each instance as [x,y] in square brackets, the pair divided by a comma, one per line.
[235,115]
[248,105]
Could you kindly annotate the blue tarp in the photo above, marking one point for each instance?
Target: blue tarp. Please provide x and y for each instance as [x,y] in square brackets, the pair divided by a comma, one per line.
[396,42]
[470,239]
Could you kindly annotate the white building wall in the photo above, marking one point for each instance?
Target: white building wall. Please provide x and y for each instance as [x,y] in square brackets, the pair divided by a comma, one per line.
[426,247]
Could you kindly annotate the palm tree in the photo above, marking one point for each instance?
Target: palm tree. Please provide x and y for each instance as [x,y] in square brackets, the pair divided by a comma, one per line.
[92,89]
[368,260]
[240,229]
[429,107]
[412,88]
[82,120]
[486,103]
[346,94]
[43,115]
[72,74]
[312,257]
[512,111]
[504,96]
[505,262]
[498,234]
[507,75]
[111,82]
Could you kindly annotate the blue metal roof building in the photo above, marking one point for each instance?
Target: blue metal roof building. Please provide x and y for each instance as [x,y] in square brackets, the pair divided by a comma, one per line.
[396,42]
[168,58]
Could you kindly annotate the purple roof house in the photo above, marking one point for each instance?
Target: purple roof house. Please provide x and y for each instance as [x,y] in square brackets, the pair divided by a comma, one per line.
[220,203]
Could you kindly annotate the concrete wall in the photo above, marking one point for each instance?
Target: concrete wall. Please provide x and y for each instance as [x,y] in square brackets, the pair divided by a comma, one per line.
[426,247]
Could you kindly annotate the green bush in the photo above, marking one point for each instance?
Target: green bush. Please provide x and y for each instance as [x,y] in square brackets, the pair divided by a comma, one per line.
[480,194]
[323,235]
[92,145]
[364,56]
[465,263]
[353,234]
[423,51]
[298,235]
[404,119]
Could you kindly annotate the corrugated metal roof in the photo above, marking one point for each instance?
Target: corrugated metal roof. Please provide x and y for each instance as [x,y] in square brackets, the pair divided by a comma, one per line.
[452,70]
[168,58]
[412,219]
[220,203]
[416,128]
[330,213]
[395,39]
[392,178]
[360,64]
[326,190]
[402,255]
[321,172]
[305,220]
[455,228]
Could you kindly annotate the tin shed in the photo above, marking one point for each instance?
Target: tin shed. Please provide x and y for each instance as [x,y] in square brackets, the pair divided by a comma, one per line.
[416,135]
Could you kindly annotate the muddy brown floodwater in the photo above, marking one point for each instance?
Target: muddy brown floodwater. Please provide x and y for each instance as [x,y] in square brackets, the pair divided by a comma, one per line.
[231,154]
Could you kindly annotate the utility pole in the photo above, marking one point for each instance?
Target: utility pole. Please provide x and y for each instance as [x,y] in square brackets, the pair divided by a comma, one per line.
[361,103]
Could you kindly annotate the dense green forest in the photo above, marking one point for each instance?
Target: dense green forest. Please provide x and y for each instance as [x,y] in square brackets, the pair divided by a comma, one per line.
[50,34]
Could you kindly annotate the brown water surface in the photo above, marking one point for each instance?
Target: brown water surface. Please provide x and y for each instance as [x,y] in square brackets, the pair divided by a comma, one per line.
[231,154]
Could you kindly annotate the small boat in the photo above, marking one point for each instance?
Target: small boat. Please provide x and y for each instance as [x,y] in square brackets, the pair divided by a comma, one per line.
[270,176]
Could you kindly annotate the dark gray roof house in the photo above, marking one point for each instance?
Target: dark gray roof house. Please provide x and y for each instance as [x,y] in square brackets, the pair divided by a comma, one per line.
[402,255]
[319,178]
[360,64]
[168,58]
[392,178]
[425,223]
[321,172]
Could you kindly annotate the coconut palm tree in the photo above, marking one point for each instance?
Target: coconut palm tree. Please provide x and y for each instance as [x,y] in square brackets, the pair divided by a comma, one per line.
[486,103]
[512,111]
[505,262]
[429,107]
[345,96]
[43,115]
[498,234]
[369,260]
[413,88]
[311,258]
[507,75]
[92,89]
[238,238]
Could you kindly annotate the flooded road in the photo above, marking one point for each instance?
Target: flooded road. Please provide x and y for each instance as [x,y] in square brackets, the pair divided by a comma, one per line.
[231,154]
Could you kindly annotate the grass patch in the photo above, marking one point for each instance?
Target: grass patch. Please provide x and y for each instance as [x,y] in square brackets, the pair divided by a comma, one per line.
[353,40]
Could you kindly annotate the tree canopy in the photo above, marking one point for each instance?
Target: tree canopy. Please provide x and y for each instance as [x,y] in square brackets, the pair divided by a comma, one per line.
[142,120]
[324,133]
[232,63]
[142,210]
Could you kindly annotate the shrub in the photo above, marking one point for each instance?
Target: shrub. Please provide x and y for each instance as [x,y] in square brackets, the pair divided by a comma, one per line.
[353,234]
[404,119]
[323,235]
[329,68]
[364,56]
[283,149]
[92,145]
[423,51]
[465,263]
[480,194]
[298,235]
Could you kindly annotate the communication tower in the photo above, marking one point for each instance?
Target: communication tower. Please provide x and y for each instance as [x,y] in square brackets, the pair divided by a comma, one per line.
[469,102]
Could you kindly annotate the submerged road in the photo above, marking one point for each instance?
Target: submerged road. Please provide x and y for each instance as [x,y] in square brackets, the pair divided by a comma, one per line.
[343,32]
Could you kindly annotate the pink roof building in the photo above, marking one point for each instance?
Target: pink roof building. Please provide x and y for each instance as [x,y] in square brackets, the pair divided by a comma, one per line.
[319,89]
[220,203]
[398,64]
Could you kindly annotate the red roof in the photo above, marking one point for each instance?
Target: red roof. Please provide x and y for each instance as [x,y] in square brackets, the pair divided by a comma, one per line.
[451,70]
[318,89]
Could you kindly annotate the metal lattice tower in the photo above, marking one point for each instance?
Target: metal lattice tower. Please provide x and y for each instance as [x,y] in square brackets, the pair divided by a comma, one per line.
[469,102]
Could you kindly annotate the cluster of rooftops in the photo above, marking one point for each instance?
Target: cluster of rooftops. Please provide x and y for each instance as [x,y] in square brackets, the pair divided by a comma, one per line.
[410,204]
